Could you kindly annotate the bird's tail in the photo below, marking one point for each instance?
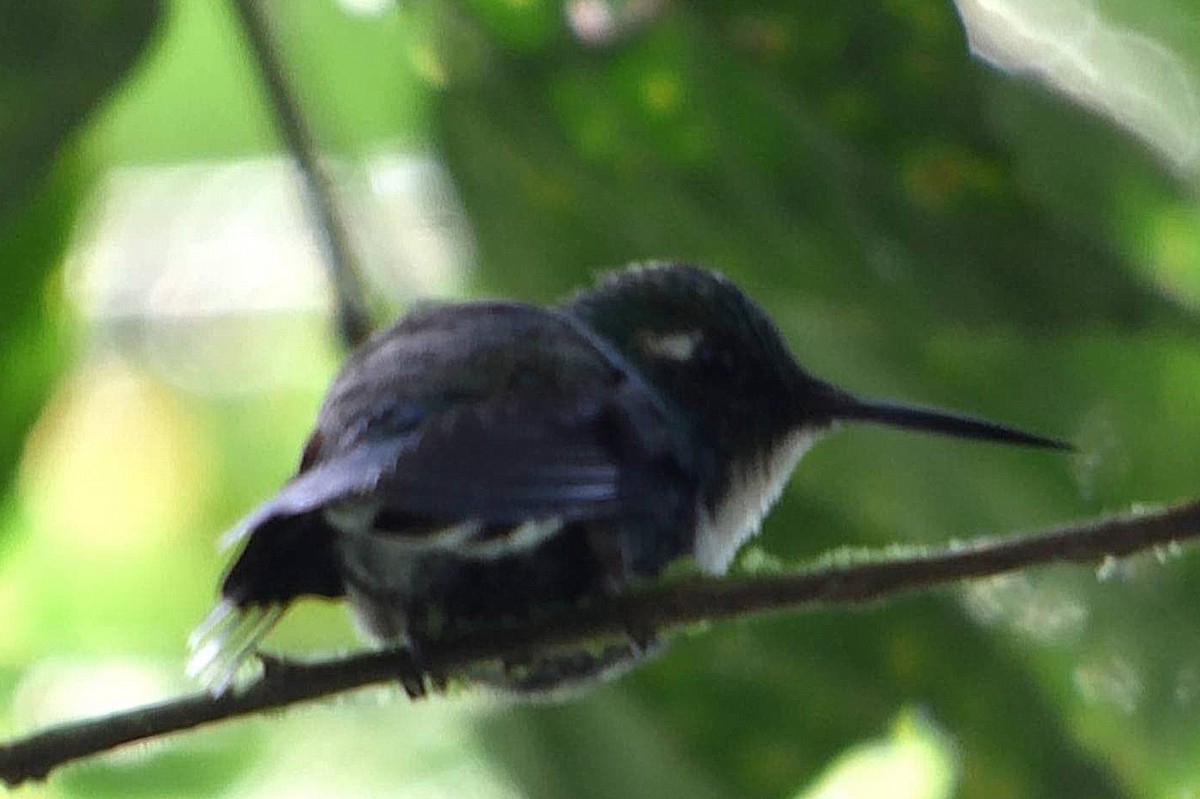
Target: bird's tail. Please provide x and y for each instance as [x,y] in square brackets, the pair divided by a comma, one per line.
[285,557]
[224,641]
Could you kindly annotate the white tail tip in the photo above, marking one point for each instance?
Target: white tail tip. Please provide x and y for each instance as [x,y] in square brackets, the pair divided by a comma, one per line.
[224,641]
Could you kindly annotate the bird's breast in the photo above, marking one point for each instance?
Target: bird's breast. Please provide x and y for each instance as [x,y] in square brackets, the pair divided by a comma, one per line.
[752,488]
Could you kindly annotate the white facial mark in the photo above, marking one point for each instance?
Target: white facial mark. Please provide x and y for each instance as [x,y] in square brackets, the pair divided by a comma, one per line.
[753,489]
[675,345]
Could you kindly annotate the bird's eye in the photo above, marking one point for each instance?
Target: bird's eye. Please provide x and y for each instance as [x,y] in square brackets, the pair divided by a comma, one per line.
[714,357]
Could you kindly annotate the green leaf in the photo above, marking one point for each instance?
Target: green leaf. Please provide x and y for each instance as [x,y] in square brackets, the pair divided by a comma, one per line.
[58,62]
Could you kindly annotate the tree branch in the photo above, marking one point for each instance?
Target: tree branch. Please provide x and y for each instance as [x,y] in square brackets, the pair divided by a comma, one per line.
[288,682]
[353,319]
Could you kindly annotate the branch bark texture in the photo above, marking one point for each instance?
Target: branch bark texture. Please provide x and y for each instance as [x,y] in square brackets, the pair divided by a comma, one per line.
[284,683]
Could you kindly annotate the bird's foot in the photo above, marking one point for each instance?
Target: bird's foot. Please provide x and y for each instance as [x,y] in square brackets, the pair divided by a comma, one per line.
[411,672]
[642,637]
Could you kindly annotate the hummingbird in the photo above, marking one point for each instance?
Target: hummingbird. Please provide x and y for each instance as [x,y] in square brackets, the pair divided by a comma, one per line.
[480,461]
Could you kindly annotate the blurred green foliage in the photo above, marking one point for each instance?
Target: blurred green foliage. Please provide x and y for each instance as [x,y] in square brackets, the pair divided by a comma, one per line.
[920,225]
[58,61]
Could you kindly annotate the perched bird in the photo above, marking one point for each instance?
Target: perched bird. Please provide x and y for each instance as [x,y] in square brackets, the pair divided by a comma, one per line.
[483,460]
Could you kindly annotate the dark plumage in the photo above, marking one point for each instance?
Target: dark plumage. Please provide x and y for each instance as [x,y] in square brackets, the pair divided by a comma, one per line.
[482,460]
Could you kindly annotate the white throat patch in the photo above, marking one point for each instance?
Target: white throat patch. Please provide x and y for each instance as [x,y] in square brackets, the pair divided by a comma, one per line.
[753,489]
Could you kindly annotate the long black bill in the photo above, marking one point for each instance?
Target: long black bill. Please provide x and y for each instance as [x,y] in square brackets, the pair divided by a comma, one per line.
[931,420]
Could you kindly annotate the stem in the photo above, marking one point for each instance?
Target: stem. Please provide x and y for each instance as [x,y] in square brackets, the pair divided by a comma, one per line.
[353,321]
[288,682]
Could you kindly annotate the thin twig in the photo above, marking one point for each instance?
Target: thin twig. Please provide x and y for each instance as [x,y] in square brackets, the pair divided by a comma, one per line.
[287,682]
[353,319]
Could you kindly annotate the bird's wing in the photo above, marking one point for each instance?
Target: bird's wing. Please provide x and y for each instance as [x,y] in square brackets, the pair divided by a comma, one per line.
[486,466]
[353,473]
[505,466]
